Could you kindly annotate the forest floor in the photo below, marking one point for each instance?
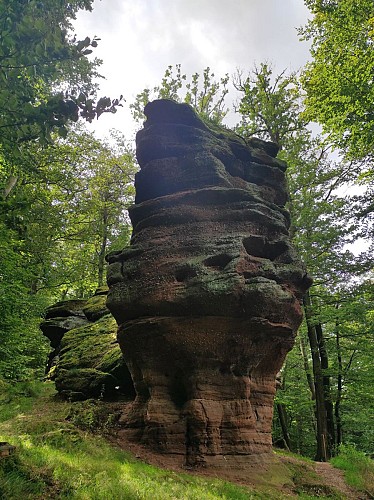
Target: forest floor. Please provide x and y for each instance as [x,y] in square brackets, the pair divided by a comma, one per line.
[73,451]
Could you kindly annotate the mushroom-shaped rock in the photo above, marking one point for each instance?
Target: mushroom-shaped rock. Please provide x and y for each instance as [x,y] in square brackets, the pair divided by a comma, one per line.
[207,296]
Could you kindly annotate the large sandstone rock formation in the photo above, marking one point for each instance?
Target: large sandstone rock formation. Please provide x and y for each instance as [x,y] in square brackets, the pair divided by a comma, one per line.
[85,360]
[207,296]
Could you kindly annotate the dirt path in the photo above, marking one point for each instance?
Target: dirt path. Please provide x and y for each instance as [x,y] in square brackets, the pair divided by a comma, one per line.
[335,478]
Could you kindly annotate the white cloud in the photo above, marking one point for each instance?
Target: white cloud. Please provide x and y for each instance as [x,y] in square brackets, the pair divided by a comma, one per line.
[139,39]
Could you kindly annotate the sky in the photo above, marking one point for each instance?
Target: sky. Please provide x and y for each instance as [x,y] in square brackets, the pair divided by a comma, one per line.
[141,38]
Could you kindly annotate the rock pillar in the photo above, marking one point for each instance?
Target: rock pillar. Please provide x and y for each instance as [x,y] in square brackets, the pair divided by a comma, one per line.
[207,296]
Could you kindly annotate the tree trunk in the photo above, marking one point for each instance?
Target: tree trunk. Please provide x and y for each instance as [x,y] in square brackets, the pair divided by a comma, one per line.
[102,251]
[307,369]
[300,441]
[11,184]
[340,386]
[322,454]
[326,389]
[282,414]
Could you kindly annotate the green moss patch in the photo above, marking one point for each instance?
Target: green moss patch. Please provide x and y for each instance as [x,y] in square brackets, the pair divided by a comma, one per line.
[84,347]
[79,383]
[95,308]
[91,362]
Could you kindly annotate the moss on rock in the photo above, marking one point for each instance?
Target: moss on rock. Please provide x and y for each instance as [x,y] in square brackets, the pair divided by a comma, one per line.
[95,307]
[88,354]
[83,347]
[86,382]
[86,360]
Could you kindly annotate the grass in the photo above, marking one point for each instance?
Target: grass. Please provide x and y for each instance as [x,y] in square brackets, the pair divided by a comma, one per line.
[286,453]
[57,460]
[358,469]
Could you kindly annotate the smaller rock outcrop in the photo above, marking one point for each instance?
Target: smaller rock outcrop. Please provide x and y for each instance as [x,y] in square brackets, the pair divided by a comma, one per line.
[85,360]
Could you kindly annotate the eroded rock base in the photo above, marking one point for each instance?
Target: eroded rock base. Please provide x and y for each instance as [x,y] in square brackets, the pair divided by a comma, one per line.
[208,396]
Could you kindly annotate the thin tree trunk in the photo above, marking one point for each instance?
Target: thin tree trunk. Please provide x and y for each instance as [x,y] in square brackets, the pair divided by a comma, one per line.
[322,443]
[300,441]
[282,414]
[340,386]
[102,252]
[307,369]
[326,389]
[101,264]
[11,184]
[34,287]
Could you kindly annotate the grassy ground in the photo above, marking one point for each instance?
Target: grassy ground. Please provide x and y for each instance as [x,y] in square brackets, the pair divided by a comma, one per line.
[58,457]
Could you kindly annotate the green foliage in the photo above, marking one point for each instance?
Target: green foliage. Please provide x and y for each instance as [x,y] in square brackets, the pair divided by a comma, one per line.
[46,78]
[79,199]
[87,213]
[294,395]
[46,84]
[339,86]
[203,93]
[322,219]
[269,105]
[94,416]
[350,337]
[347,327]
[11,392]
[56,226]
[338,81]
[22,352]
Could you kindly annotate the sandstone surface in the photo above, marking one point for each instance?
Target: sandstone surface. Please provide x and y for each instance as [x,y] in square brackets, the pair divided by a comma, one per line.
[207,296]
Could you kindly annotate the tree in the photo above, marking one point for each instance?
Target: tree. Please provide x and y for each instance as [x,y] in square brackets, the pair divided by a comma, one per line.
[22,350]
[350,333]
[298,406]
[107,172]
[46,84]
[339,79]
[269,106]
[46,79]
[81,208]
[205,95]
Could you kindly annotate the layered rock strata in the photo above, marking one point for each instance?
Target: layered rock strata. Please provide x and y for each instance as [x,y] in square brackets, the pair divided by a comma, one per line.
[207,296]
[85,360]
